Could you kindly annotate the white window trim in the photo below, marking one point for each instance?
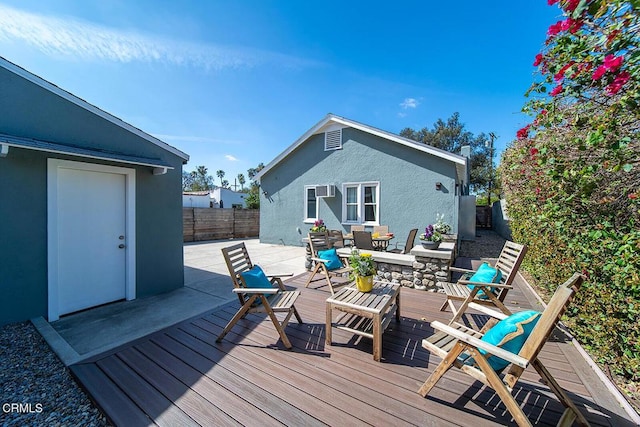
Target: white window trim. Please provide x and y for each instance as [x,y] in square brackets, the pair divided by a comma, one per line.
[360,195]
[308,220]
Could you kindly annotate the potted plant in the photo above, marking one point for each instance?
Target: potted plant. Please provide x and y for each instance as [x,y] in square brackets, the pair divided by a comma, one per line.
[441,226]
[362,270]
[431,238]
[318,226]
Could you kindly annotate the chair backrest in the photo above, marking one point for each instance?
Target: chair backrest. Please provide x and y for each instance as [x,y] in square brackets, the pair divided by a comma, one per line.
[337,238]
[546,324]
[381,229]
[509,261]
[318,241]
[357,228]
[410,239]
[238,261]
[362,240]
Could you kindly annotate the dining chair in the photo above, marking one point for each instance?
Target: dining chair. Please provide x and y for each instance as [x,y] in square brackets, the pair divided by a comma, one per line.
[337,238]
[362,240]
[357,228]
[408,244]
[381,229]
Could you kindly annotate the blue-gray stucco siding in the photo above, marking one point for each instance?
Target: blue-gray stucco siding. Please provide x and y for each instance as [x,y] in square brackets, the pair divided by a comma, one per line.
[407,177]
[28,110]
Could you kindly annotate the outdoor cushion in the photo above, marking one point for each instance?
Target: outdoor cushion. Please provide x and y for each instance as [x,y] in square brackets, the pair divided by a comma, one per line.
[332,256]
[510,334]
[255,278]
[485,274]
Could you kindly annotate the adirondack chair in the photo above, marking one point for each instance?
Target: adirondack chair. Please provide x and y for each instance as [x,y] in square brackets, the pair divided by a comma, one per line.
[494,294]
[319,241]
[460,346]
[270,297]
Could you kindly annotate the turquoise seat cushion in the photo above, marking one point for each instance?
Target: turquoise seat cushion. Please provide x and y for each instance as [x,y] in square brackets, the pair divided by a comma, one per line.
[332,257]
[255,278]
[485,274]
[510,334]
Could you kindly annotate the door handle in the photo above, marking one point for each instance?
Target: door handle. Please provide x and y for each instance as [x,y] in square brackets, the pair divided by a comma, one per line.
[121,246]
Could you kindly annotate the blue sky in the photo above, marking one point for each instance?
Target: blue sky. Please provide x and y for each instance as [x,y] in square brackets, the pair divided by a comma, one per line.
[234,83]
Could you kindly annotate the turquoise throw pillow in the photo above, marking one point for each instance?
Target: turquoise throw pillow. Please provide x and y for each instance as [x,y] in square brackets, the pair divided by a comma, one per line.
[485,274]
[332,256]
[255,278]
[510,334]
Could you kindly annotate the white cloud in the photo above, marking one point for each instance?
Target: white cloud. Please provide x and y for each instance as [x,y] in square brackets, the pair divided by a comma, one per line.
[80,39]
[230,158]
[409,103]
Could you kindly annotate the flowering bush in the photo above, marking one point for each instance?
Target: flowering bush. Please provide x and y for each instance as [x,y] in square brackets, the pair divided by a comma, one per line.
[431,235]
[573,176]
[361,264]
[318,226]
[441,226]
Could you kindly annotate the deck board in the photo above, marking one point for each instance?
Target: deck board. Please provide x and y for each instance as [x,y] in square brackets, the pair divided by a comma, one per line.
[181,376]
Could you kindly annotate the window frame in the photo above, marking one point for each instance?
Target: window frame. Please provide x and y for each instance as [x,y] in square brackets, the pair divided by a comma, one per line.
[307,219]
[360,202]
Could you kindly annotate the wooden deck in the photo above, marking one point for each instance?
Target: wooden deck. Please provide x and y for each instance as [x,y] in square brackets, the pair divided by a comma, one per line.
[180,376]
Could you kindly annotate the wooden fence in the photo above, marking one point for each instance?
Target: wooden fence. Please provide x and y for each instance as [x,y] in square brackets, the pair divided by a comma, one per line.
[215,224]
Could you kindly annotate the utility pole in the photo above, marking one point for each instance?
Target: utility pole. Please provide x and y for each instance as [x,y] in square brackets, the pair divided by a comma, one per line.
[492,137]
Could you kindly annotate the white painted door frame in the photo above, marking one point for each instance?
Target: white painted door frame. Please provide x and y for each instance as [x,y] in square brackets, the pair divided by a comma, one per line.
[53,166]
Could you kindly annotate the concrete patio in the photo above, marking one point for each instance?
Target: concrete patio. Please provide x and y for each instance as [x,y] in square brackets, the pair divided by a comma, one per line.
[206,286]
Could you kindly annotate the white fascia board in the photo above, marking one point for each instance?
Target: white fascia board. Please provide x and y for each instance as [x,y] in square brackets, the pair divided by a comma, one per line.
[89,107]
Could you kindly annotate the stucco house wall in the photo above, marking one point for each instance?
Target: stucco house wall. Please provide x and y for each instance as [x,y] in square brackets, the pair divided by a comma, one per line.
[407,185]
[34,110]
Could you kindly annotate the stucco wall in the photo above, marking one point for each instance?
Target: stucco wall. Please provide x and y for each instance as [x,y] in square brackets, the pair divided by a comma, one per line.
[29,111]
[408,195]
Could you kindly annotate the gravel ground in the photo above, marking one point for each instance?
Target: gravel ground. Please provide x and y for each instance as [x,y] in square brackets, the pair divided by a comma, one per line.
[37,389]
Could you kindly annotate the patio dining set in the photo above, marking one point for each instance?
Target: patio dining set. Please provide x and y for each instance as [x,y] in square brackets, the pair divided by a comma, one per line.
[495,353]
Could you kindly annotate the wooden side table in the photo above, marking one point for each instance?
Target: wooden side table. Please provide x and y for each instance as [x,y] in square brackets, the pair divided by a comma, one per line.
[366,314]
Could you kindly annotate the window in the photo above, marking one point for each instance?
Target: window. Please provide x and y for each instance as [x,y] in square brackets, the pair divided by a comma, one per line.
[360,203]
[310,204]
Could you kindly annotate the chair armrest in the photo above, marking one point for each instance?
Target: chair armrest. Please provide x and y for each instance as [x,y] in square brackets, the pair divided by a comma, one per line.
[484,284]
[255,290]
[488,311]
[280,275]
[461,270]
[479,344]
[324,261]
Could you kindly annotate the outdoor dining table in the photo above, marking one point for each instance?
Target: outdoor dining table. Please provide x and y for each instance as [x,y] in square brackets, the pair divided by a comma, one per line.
[380,242]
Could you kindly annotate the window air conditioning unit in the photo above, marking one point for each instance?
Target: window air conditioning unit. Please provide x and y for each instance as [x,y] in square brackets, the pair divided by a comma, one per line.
[328,190]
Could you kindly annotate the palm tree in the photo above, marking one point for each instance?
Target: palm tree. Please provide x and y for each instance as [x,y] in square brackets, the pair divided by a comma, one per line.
[220,175]
[241,180]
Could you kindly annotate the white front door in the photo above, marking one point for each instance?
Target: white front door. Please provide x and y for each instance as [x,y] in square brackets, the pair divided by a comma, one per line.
[89,234]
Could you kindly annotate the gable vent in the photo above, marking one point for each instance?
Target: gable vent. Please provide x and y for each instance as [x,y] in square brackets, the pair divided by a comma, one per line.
[333,140]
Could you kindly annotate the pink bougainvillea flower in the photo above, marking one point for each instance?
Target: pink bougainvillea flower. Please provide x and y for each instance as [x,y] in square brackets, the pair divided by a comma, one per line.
[538,60]
[533,151]
[557,90]
[617,83]
[571,25]
[633,196]
[613,62]
[554,28]
[571,5]
[599,72]
[552,2]
[523,133]
[560,74]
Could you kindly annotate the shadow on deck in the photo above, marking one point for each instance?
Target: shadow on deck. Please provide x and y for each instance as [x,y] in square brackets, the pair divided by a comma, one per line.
[180,375]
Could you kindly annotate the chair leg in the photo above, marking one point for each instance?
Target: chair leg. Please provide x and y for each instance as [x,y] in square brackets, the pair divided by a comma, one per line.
[501,390]
[312,275]
[239,315]
[295,312]
[562,396]
[441,369]
[276,322]
[328,277]
[457,314]
[445,305]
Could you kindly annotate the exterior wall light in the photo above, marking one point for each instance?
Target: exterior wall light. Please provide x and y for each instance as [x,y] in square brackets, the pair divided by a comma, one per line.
[438,186]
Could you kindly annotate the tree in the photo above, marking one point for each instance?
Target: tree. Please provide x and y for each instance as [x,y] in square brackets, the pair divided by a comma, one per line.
[198,180]
[220,174]
[241,180]
[451,136]
[253,195]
